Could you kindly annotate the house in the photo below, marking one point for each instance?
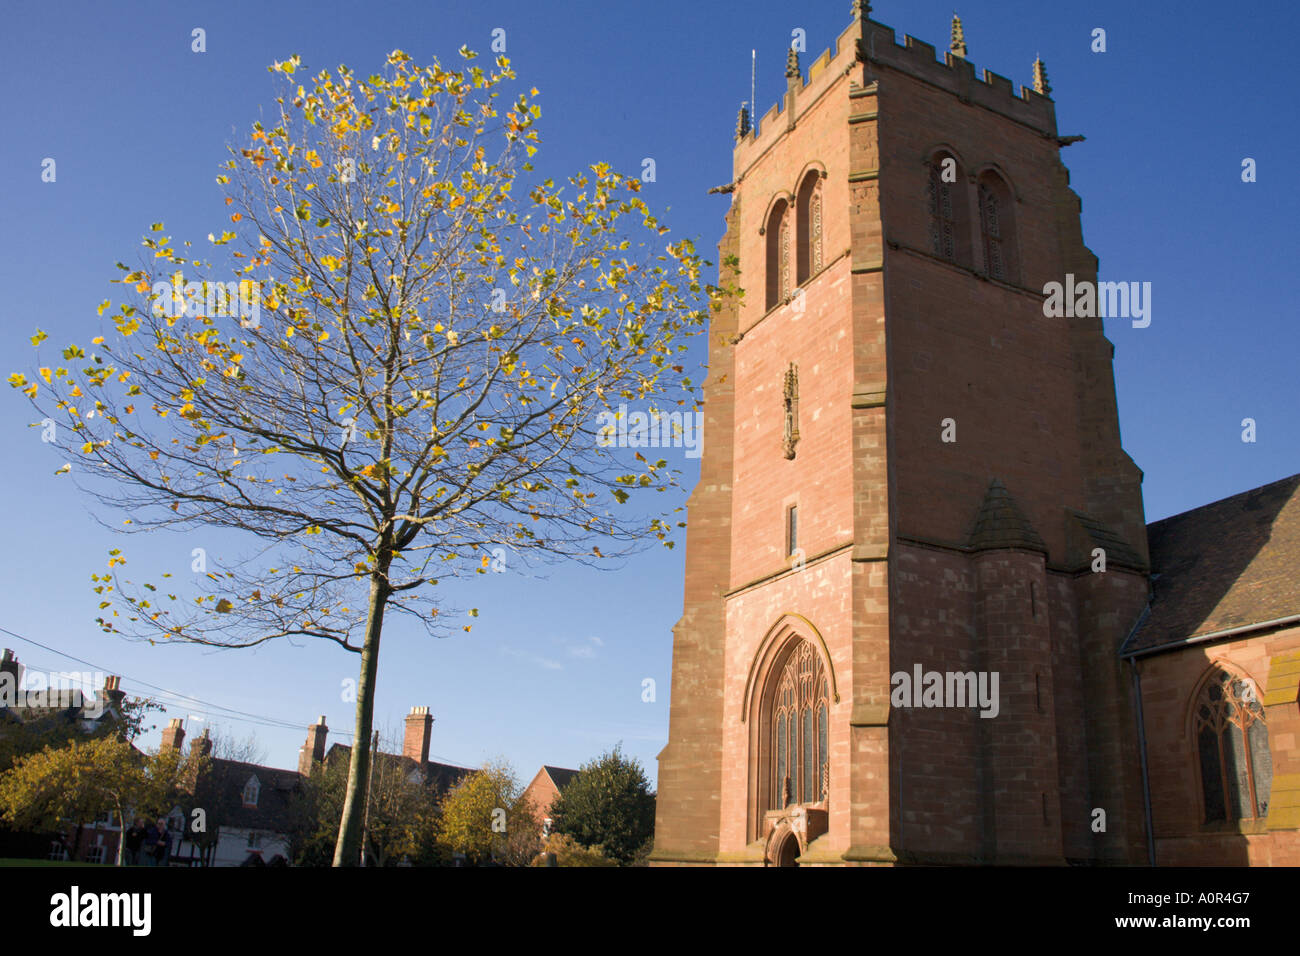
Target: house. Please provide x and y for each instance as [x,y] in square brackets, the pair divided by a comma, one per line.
[543,790]
[241,814]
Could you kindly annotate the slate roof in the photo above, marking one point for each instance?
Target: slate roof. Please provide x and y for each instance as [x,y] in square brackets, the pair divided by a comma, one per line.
[440,777]
[560,776]
[220,791]
[1228,564]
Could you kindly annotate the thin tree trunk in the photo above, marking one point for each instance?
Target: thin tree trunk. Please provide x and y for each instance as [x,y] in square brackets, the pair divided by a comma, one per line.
[347,851]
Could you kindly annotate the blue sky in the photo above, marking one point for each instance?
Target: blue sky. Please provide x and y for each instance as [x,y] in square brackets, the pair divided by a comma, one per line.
[553,670]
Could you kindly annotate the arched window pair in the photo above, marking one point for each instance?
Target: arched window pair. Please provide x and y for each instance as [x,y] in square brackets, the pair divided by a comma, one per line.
[794,240]
[1232,749]
[949,214]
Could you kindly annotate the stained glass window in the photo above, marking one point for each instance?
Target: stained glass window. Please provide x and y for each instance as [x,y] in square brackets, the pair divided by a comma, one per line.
[1232,747]
[800,730]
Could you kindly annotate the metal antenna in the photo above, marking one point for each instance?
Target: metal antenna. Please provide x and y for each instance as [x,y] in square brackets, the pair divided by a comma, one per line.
[753,67]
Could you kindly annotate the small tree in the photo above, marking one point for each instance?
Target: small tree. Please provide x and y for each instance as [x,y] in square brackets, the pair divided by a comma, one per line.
[569,852]
[88,778]
[414,372]
[608,805]
[487,817]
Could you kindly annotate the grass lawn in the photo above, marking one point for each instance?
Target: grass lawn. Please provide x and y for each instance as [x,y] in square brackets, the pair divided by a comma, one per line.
[11,862]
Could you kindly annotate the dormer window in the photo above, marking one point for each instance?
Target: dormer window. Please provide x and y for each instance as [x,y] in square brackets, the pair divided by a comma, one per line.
[251,791]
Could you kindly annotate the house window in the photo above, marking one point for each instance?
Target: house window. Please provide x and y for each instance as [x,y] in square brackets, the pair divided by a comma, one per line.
[798,727]
[251,791]
[1232,749]
[95,853]
[791,530]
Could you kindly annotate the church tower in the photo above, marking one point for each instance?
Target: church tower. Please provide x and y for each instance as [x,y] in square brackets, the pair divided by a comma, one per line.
[916,544]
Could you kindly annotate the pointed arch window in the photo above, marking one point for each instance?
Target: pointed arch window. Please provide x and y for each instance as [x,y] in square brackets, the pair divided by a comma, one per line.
[777,234]
[997,227]
[808,216]
[946,205]
[1232,749]
[800,768]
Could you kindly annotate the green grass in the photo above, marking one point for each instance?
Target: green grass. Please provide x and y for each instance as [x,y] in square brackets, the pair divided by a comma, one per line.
[12,862]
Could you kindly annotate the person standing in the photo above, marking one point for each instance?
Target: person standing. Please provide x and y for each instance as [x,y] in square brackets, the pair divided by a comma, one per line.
[148,850]
[162,849]
[134,840]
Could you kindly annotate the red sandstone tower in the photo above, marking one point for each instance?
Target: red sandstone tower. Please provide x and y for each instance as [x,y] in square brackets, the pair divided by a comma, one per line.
[908,465]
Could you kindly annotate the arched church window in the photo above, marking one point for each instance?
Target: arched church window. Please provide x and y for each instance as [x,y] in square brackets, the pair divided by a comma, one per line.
[1232,747]
[946,200]
[808,220]
[997,227]
[799,730]
[777,234]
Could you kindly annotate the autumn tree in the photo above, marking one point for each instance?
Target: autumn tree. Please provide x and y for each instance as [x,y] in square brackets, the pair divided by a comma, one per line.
[87,778]
[487,817]
[399,364]
[569,852]
[608,806]
[52,727]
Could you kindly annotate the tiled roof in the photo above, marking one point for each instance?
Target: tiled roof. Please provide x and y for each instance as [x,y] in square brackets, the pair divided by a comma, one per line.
[1228,564]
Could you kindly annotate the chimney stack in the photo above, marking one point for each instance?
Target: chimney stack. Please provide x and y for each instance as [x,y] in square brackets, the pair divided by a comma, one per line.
[174,734]
[113,693]
[313,751]
[419,728]
[9,666]
[202,744]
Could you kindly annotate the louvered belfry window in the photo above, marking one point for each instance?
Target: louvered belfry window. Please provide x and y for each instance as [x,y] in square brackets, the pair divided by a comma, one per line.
[943,228]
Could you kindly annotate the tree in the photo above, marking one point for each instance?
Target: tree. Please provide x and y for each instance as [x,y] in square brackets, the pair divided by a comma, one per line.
[422,380]
[88,778]
[402,816]
[608,806]
[37,729]
[487,817]
[569,852]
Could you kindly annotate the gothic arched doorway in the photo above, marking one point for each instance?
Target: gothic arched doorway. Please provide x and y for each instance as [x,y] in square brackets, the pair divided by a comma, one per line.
[787,850]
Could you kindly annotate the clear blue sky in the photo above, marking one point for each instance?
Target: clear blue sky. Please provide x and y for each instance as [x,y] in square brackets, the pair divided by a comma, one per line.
[553,669]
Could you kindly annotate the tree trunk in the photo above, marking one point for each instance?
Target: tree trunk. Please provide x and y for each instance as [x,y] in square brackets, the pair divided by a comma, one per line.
[347,851]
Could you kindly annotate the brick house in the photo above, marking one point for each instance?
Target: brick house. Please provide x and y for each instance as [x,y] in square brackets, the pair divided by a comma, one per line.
[914,472]
[544,788]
